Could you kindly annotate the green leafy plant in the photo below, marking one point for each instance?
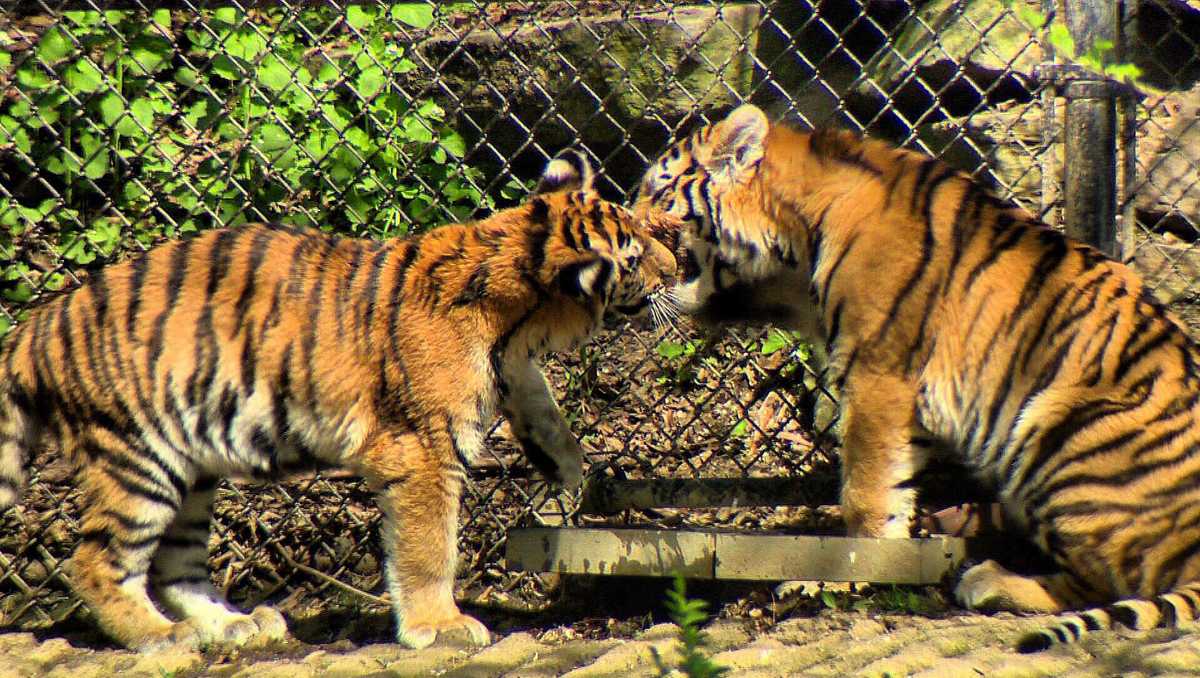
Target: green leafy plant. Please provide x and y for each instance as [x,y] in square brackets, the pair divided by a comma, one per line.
[679,369]
[1095,58]
[903,599]
[141,126]
[689,614]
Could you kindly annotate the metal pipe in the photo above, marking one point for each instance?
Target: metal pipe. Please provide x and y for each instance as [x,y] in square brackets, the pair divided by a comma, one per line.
[1090,131]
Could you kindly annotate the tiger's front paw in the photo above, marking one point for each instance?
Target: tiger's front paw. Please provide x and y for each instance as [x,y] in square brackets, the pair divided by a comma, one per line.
[180,635]
[263,626]
[271,625]
[988,586]
[421,634]
[985,587]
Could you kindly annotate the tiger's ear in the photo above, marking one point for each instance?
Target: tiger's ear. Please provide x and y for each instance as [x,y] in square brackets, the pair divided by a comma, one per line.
[570,170]
[736,143]
[589,278]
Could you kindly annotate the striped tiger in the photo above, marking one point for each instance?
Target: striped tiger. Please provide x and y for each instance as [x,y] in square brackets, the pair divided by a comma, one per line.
[255,350]
[954,320]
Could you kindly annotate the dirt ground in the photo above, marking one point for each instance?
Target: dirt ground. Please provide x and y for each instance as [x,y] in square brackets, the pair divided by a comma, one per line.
[888,632]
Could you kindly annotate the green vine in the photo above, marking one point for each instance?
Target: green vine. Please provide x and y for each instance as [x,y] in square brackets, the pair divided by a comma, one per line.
[1096,57]
[141,126]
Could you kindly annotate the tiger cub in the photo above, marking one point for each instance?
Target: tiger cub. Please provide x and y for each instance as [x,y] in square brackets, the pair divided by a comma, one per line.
[954,320]
[251,350]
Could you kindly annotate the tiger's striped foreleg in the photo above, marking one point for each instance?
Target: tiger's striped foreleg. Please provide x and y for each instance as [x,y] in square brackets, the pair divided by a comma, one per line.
[418,484]
[128,502]
[179,575]
[879,459]
[539,426]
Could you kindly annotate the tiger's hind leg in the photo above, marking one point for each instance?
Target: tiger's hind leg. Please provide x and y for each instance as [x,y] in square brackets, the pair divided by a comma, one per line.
[418,484]
[180,578]
[129,500]
[989,586]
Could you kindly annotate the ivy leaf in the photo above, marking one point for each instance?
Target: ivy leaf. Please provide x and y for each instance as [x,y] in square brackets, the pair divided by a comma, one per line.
[415,14]
[360,17]
[13,132]
[161,17]
[271,138]
[334,117]
[431,110]
[148,54]
[370,81]
[143,111]
[669,349]
[76,250]
[105,235]
[83,77]
[358,208]
[274,73]
[83,19]
[188,77]
[54,45]
[417,129]
[111,108]
[404,65]
[227,15]
[32,78]
[93,155]
[227,68]
[775,341]
[246,45]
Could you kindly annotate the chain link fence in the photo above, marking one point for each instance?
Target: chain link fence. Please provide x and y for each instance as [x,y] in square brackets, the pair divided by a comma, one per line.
[122,124]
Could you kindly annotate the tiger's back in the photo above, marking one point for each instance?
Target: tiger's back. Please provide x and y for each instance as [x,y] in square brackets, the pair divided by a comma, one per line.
[956,321]
[206,329]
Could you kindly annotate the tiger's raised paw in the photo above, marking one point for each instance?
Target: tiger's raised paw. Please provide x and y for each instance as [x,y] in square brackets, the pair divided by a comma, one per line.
[459,629]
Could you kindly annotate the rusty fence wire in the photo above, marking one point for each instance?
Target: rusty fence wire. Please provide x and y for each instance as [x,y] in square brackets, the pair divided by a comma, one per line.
[125,123]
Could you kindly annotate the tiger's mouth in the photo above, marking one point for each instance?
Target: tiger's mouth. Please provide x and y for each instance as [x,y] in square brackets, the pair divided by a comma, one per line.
[657,309]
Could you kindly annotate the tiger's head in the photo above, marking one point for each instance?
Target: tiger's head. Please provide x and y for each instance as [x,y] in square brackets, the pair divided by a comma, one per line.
[606,258]
[704,198]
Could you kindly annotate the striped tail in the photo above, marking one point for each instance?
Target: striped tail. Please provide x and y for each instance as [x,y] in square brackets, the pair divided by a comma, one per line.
[15,434]
[1180,605]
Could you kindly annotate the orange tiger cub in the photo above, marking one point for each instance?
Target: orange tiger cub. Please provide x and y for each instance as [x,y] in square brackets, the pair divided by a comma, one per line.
[248,351]
[954,320]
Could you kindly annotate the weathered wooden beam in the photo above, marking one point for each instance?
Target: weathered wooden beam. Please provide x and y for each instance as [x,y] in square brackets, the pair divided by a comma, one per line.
[706,554]
[885,561]
[617,552]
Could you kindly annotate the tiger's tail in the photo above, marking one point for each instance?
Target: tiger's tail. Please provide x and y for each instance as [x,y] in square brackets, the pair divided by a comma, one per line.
[1180,605]
[16,434]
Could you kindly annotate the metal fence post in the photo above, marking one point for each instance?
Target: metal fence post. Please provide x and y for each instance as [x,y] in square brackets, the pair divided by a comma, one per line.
[1090,130]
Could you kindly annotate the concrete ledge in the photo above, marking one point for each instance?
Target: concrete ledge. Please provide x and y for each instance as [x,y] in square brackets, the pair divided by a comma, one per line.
[710,554]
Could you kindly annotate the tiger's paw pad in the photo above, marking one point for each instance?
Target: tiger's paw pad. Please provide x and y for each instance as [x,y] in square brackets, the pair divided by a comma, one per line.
[458,630]
[983,587]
